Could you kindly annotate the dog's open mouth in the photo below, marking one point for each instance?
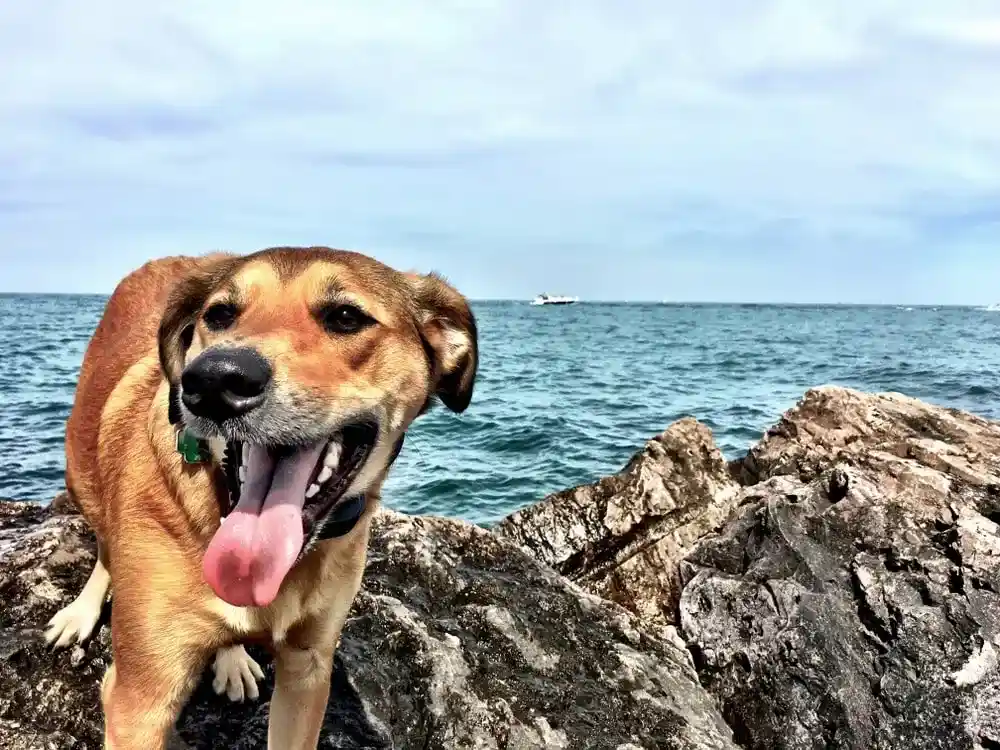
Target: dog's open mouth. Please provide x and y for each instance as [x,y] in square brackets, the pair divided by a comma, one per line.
[281,495]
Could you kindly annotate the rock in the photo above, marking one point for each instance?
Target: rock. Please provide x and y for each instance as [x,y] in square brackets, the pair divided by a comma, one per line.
[853,601]
[837,422]
[624,536]
[458,640]
[44,701]
[846,596]
[839,587]
[63,504]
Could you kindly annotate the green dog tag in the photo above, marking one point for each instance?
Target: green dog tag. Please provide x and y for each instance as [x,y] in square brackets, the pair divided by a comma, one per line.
[192,449]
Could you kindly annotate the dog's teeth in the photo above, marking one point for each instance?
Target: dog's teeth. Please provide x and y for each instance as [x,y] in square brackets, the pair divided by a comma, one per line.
[324,475]
[246,453]
[313,489]
[243,473]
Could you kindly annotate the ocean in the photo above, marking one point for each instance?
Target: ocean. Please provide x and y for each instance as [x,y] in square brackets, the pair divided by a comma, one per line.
[565,395]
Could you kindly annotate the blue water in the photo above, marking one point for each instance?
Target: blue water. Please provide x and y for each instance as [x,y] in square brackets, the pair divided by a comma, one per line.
[566,394]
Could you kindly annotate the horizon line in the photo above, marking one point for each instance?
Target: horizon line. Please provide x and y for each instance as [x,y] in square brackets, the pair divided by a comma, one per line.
[598,301]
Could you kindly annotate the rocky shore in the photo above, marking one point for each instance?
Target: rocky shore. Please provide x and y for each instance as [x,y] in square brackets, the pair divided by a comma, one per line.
[838,587]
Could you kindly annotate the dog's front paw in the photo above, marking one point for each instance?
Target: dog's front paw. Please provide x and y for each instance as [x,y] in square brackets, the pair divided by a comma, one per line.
[74,622]
[236,674]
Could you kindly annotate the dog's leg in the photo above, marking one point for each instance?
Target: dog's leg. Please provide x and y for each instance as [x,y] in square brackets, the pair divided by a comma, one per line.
[161,648]
[143,695]
[76,621]
[236,674]
[301,692]
[303,662]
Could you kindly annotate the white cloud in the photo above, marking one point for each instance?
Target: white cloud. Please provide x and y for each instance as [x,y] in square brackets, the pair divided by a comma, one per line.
[430,132]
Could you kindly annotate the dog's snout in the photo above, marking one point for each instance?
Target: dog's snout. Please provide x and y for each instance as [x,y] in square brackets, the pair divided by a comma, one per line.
[221,384]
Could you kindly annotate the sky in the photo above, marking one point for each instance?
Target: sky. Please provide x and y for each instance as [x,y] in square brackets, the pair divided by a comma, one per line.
[725,150]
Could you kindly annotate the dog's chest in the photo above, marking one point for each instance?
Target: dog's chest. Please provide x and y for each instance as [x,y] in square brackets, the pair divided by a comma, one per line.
[266,623]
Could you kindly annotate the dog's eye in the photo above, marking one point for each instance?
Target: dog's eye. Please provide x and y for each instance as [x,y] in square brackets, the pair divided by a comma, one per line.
[343,319]
[220,316]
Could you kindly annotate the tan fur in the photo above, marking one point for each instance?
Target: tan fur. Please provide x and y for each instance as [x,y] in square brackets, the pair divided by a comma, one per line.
[154,515]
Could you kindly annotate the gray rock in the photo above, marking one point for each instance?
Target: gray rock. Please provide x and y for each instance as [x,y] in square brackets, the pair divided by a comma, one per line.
[623,537]
[854,599]
[850,596]
[458,640]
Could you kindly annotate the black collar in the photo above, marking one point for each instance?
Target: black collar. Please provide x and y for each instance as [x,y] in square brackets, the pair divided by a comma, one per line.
[343,518]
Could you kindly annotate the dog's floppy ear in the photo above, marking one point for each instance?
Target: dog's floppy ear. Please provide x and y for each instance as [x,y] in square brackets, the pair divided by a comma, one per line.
[183,305]
[448,329]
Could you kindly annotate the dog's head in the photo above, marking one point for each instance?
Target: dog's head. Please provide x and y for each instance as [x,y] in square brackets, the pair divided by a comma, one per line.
[310,364]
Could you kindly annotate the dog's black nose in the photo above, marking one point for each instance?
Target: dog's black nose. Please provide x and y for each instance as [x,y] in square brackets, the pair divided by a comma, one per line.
[221,384]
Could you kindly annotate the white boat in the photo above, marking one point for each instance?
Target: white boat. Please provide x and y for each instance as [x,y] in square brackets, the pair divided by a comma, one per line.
[995,307]
[550,299]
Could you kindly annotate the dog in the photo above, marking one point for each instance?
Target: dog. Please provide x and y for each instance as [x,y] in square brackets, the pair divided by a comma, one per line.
[234,420]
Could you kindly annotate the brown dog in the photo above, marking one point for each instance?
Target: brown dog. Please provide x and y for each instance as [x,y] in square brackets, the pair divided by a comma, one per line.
[234,421]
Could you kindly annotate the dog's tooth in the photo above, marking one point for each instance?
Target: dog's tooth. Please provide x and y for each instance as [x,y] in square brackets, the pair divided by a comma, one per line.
[243,474]
[246,452]
[332,458]
[313,489]
[324,475]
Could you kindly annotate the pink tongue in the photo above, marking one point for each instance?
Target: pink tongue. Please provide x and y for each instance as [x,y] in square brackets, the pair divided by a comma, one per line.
[257,544]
